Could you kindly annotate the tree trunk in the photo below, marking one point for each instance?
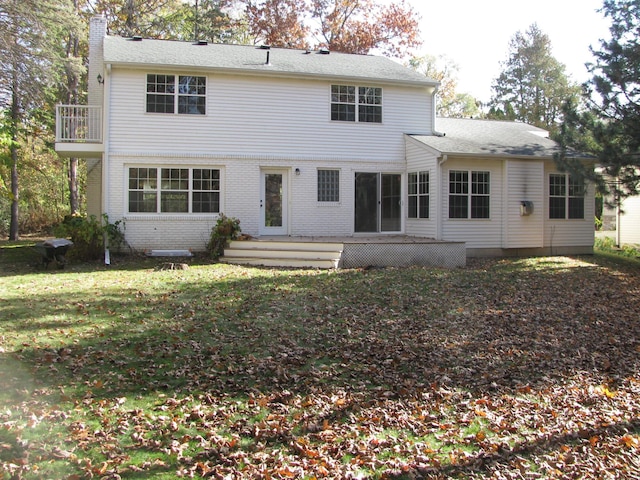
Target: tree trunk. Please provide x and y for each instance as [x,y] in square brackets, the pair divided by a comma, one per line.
[72,99]
[13,229]
[15,125]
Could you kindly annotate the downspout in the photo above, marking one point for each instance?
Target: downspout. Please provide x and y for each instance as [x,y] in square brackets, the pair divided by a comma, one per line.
[439,200]
[105,156]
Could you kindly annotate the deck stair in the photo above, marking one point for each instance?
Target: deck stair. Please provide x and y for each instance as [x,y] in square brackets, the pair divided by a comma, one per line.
[282,253]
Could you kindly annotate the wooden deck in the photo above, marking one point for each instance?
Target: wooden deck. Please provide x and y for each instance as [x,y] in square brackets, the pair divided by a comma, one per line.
[346,252]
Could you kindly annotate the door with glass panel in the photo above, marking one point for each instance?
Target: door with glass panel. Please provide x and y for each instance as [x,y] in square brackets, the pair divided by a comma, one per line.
[273,202]
[378,202]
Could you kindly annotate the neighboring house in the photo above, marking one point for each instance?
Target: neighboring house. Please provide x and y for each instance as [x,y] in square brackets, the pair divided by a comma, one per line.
[306,144]
[623,222]
[628,226]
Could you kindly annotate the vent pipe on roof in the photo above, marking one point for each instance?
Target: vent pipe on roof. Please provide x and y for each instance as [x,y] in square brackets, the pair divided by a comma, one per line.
[268,63]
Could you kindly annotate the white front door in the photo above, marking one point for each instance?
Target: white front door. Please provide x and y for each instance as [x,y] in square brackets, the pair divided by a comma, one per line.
[273,202]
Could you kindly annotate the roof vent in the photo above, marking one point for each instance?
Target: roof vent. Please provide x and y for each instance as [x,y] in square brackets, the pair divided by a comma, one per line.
[265,47]
[324,51]
[136,38]
[201,42]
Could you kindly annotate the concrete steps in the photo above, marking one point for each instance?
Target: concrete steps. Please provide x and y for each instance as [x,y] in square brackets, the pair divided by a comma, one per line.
[270,253]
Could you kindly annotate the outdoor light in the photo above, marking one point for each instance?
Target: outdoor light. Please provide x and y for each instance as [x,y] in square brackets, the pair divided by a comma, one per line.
[100,79]
[297,171]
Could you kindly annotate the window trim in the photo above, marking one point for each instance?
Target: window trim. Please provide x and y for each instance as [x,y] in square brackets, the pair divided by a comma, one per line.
[367,99]
[468,188]
[155,188]
[419,194]
[177,95]
[569,183]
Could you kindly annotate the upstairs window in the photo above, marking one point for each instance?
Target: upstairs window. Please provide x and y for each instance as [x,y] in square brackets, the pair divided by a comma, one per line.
[566,196]
[418,193]
[184,94]
[174,190]
[356,104]
[469,194]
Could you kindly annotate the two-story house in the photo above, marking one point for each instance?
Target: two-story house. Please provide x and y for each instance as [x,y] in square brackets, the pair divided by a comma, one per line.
[308,144]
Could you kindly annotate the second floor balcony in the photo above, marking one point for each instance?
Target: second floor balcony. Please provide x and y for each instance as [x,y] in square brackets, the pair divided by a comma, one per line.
[79,130]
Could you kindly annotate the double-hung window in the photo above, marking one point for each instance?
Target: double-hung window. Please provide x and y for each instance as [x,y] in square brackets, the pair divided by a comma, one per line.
[184,94]
[566,196]
[469,194]
[328,185]
[418,193]
[351,103]
[174,190]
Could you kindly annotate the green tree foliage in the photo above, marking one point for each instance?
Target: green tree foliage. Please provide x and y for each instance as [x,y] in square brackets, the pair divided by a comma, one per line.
[146,18]
[30,54]
[533,85]
[607,124]
[444,70]
[219,21]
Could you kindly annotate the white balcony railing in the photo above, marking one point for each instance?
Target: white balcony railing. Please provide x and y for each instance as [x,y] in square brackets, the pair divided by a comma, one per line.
[78,124]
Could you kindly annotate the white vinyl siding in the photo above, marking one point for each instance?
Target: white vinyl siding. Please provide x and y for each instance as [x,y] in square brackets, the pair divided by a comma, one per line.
[524,181]
[263,117]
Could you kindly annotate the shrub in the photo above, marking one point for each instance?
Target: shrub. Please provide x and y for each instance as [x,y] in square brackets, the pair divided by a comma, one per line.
[88,235]
[225,229]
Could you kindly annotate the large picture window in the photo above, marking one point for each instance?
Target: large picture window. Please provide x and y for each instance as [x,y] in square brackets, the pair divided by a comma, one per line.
[566,196]
[418,195]
[184,94]
[356,104]
[469,194]
[174,190]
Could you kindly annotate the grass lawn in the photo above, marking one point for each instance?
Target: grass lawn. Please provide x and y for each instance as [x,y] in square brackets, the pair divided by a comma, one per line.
[505,369]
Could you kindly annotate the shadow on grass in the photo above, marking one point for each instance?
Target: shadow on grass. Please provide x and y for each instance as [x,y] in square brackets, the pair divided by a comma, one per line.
[492,328]
[389,329]
[23,258]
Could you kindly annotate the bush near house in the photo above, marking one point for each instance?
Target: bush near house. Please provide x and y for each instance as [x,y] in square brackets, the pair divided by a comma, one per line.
[90,236]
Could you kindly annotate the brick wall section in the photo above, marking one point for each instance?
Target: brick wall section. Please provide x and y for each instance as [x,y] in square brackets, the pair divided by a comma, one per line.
[97,32]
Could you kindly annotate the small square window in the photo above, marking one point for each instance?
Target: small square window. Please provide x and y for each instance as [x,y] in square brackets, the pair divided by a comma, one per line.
[328,185]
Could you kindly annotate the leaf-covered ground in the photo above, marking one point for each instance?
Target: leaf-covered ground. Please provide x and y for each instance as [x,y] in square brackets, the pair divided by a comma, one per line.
[505,369]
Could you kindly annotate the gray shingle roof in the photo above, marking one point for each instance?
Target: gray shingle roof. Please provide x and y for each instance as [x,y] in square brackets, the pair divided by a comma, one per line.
[492,138]
[251,59]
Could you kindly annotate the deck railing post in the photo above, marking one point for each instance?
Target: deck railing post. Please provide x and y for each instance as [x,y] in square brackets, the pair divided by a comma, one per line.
[79,123]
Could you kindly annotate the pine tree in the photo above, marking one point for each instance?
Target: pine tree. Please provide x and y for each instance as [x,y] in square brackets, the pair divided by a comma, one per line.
[607,123]
[533,85]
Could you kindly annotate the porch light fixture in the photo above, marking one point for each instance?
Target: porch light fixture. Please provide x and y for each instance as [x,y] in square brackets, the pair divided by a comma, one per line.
[100,79]
[297,171]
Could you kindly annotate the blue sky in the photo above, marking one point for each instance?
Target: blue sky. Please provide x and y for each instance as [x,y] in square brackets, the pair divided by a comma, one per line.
[475,34]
